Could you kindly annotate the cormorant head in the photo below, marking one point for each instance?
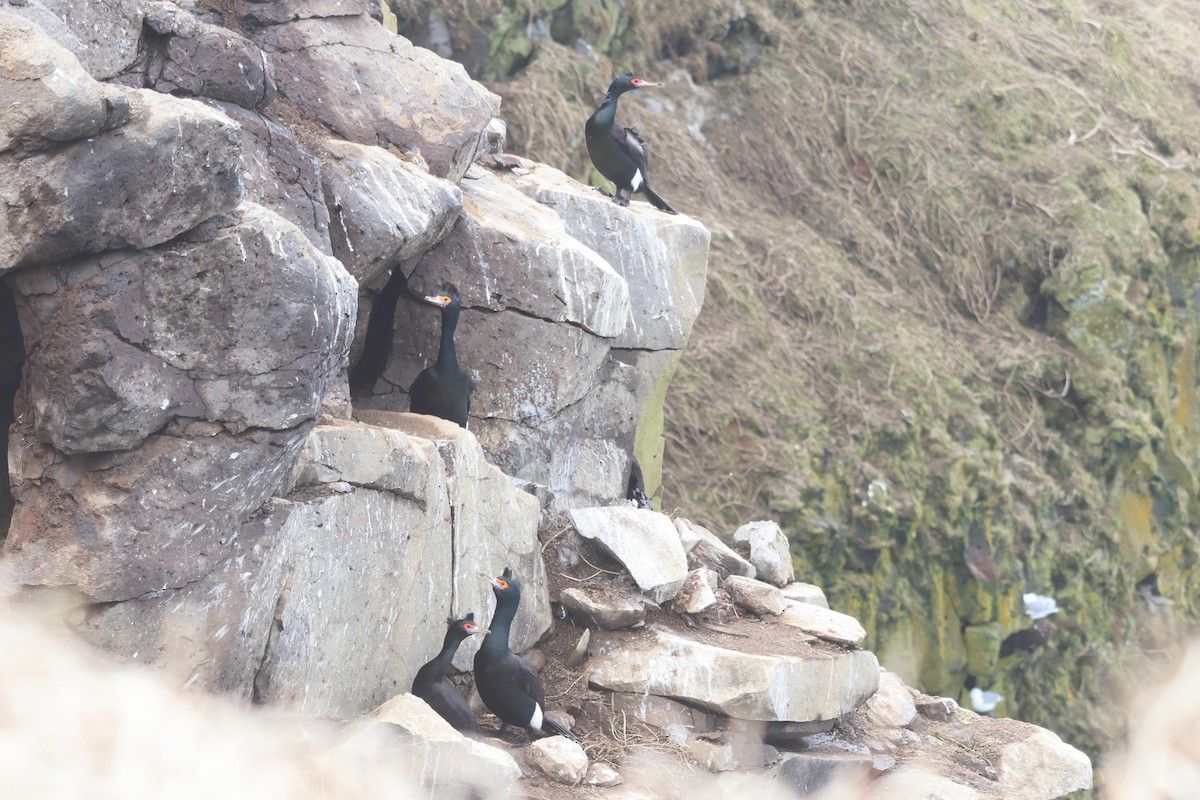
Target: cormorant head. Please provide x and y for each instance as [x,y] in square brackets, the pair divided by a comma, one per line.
[462,628]
[448,299]
[506,586]
[628,82]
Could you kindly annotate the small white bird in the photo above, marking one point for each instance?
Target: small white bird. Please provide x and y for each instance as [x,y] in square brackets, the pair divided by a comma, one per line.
[984,701]
[1038,606]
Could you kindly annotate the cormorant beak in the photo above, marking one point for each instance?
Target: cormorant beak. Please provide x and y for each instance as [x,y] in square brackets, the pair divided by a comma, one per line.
[496,583]
[480,630]
[639,83]
[441,300]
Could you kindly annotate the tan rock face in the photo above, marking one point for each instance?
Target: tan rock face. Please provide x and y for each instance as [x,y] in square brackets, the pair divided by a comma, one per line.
[604,609]
[696,594]
[815,685]
[704,548]
[754,596]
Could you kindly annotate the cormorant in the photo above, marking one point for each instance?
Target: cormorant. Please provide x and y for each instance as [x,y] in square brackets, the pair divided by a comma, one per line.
[443,389]
[507,684]
[431,685]
[636,490]
[619,153]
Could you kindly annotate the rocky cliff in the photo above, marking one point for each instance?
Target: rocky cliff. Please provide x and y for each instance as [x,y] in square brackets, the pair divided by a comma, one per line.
[215,223]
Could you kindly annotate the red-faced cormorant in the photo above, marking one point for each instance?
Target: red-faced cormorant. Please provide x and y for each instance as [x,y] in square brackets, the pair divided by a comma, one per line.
[636,488]
[431,685]
[443,389]
[619,153]
[508,686]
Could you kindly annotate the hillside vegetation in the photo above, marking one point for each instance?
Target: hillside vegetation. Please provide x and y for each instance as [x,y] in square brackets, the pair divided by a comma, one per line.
[950,338]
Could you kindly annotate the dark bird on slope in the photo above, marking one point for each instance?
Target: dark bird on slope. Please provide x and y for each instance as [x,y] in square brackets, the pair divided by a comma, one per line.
[432,686]
[443,389]
[507,684]
[619,153]
[636,489]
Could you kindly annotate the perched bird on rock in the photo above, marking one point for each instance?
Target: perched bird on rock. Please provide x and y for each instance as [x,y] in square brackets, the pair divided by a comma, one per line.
[443,389]
[432,686]
[636,489]
[508,685]
[618,152]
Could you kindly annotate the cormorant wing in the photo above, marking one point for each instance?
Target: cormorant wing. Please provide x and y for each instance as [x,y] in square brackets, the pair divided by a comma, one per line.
[632,144]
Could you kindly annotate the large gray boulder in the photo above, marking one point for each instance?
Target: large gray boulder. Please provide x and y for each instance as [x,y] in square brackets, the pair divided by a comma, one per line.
[446,763]
[644,542]
[123,524]
[105,37]
[121,344]
[384,210]
[332,596]
[196,58]
[807,683]
[663,258]
[371,86]
[281,175]
[48,96]
[172,165]
[556,405]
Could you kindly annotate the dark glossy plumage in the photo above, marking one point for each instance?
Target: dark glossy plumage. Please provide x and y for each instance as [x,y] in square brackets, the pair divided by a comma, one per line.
[443,389]
[431,684]
[636,487]
[618,152]
[507,684]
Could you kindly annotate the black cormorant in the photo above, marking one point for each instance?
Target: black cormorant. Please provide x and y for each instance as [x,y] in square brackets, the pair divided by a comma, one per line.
[443,389]
[507,684]
[619,153]
[636,488]
[432,686]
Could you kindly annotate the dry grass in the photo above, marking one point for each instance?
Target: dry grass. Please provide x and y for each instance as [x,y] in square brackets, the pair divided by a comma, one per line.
[900,195]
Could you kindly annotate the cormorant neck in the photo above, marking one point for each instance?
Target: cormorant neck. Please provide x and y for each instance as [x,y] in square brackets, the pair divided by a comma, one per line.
[606,114]
[442,661]
[498,628]
[446,354]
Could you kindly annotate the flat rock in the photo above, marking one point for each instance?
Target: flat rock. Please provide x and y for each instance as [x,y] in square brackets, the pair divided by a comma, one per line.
[560,758]
[383,210]
[644,542]
[607,609]
[122,344]
[662,712]
[172,165]
[754,596]
[373,87]
[830,625]
[448,763]
[272,12]
[705,548]
[805,593]
[696,594]
[769,551]
[814,684]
